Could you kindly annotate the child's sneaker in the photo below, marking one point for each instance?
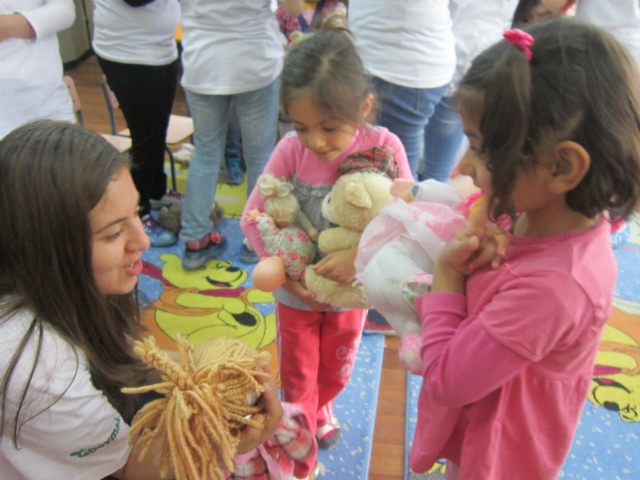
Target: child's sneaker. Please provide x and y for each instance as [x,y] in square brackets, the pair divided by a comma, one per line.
[198,253]
[168,199]
[232,171]
[329,435]
[158,236]
[318,470]
[247,255]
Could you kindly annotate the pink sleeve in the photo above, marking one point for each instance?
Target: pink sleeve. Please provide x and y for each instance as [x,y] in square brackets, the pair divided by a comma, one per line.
[280,164]
[462,362]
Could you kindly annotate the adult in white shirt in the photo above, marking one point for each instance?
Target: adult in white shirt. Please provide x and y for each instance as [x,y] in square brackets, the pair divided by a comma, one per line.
[409,49]
[621,18]
[71,245]
[31,85]
[232,51]
[136,48]
[477,24]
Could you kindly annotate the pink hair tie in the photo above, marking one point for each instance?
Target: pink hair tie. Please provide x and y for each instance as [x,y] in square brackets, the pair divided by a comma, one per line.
[521,40]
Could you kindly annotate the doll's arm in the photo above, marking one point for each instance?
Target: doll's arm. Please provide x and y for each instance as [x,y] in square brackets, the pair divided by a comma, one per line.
[305,224]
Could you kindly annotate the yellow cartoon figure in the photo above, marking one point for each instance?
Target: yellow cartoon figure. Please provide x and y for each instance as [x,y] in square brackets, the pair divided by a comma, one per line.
[616,377]
[210,302]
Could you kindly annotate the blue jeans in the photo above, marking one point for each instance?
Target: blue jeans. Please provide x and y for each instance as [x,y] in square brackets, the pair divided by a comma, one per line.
[233,144]
[442,138]
[258,115]
[406,112]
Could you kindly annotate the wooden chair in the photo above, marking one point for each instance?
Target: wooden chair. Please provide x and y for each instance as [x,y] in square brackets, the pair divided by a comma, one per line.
[122,144]
[180,127]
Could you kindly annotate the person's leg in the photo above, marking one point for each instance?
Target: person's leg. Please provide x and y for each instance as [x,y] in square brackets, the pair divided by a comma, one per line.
[298,356]
[258,116]
[442,138]
[145,94]
[339,339]
[233,169]
[209,113]
[406,111]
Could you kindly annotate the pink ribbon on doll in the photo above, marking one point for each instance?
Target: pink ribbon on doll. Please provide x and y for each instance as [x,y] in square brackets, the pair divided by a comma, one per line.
[521,40]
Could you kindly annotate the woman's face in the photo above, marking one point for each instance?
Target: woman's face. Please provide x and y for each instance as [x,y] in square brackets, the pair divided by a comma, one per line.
[118,236]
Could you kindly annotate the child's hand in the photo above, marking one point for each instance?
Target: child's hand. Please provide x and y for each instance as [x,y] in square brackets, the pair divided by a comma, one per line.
[307,296]
[338,266]
[252,437]
[477,245]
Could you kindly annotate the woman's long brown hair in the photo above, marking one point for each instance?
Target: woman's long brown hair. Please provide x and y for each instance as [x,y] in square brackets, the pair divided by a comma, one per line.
[52,174]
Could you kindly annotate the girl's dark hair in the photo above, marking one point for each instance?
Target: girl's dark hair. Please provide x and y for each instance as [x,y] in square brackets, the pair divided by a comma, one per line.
[327,67]
[580,85]
[52,174]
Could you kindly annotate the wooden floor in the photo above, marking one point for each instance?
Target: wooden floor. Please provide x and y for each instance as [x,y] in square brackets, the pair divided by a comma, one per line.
[387,459]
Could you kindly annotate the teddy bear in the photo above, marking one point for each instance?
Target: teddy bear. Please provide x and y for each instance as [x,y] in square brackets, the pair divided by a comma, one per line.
[169,217]
[287,234]
[398,251]
[354,200]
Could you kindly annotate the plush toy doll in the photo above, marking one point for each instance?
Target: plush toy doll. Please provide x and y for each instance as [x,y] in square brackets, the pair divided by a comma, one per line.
[356,198]
[286,232]
[209,397]
[169,217]
[398,251]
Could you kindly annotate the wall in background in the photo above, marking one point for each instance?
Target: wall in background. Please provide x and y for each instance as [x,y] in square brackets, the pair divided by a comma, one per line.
[75,42]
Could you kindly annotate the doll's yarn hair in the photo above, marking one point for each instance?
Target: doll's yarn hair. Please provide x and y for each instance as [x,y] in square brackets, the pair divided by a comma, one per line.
[280,204]
[204,409]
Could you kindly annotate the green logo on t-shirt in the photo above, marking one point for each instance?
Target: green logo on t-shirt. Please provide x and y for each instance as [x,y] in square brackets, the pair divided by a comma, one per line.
[88,451]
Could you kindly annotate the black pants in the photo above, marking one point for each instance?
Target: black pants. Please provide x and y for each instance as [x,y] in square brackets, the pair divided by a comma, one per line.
[145,94]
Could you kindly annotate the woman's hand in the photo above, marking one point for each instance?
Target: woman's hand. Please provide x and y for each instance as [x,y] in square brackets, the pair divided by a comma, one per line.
[307,296]
[338,266]
[252,437]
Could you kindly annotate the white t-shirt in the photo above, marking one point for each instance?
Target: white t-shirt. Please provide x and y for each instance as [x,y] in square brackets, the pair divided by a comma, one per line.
[621,18]
[405,42]
[230,46]
[477,24]
[31,85]
[78,435]
[137,35]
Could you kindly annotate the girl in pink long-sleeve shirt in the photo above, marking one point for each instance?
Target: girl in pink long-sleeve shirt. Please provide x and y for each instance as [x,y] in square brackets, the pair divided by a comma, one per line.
[324,93]
[552,118]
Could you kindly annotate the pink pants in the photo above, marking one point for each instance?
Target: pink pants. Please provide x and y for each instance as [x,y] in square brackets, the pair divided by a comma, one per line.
[316,352]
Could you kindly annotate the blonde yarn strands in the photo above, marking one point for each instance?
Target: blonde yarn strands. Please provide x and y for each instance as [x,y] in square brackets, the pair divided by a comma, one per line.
[200,420]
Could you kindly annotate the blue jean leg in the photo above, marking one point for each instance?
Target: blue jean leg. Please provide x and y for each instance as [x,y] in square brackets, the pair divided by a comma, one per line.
[258,115]
[442,138]
[406,111]
[210,115]
[233,145]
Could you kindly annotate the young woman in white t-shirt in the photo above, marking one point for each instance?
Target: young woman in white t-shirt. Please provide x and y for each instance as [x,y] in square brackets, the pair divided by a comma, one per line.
[71,247]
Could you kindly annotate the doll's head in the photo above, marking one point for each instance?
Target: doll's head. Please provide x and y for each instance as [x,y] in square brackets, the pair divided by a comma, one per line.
[280,204]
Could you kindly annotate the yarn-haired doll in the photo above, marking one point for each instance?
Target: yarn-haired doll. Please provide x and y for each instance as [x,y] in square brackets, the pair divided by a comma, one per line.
[287,233]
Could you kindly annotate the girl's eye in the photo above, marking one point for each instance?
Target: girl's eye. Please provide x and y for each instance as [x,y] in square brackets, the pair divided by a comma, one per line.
[115,235]
[330,129]
[299,129]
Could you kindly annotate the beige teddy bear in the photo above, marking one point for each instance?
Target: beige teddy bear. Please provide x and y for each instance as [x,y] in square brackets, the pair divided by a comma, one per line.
[354,201]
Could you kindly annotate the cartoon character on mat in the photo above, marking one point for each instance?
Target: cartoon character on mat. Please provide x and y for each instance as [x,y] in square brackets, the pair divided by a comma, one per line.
[209,302]
[616,376]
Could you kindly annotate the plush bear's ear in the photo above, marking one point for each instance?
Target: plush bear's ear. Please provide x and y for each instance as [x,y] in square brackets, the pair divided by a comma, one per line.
[357,195]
